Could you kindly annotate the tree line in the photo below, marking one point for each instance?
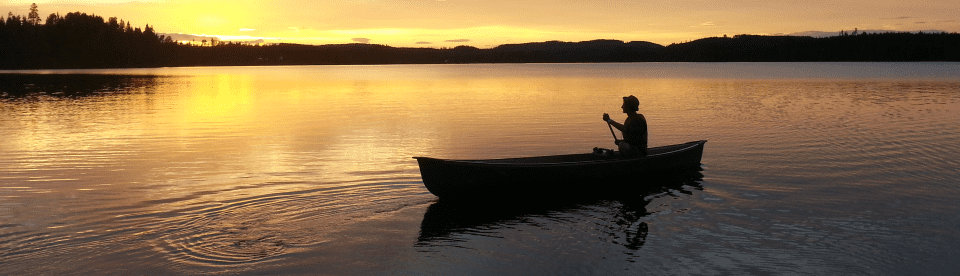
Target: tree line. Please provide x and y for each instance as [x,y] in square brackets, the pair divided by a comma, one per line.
[78,40]
[890,46]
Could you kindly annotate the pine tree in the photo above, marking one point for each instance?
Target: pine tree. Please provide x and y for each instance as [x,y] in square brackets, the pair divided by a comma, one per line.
[34,16]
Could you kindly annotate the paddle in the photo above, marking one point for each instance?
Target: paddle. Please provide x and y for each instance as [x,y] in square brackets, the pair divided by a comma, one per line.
[613,133]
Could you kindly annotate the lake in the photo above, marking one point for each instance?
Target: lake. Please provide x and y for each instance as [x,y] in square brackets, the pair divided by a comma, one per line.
[809,168]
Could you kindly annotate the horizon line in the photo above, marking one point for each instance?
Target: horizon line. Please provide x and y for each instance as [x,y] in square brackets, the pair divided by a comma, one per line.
[265,40]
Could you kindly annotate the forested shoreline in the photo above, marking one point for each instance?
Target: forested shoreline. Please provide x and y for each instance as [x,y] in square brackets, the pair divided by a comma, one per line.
[78,40]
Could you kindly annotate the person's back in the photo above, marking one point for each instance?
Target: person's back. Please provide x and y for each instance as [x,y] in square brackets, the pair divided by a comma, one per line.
[635,132]
[634,128]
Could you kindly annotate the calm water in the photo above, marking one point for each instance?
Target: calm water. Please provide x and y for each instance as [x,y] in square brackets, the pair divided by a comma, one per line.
[810,168]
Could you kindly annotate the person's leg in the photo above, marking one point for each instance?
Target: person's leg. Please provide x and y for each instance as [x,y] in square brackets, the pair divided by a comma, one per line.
[627,150]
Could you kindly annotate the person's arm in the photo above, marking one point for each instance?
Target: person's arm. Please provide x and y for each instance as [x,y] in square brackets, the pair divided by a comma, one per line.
[606,117]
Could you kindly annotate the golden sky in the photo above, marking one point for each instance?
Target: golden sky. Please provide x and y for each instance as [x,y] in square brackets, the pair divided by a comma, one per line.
[488,23]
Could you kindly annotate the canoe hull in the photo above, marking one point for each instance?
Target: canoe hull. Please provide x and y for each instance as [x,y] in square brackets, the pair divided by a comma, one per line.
[575,173]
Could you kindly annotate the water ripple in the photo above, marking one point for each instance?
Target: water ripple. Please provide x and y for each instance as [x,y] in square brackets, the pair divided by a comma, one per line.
[201,229]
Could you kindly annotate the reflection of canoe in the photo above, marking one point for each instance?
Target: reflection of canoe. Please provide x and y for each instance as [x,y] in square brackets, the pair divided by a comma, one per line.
[548,174]
[447,223]
[618,214]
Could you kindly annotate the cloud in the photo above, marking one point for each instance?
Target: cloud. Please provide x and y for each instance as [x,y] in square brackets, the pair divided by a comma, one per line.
[361,40]
[946,21]
[899,17]
[814,34]
[920,22]
[187,37]
[424,42]
[457,40]
[709,24]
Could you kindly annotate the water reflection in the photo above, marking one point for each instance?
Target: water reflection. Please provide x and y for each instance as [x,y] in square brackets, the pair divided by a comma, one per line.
[33,86]
[617,216]
[221,169]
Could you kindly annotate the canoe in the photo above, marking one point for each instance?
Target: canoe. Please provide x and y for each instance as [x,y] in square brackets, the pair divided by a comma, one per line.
[571,173]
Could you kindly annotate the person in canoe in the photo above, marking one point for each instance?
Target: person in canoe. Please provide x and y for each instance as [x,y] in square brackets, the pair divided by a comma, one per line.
[634,129]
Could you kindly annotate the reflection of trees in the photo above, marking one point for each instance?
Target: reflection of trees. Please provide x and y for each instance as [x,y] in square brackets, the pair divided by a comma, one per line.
[24,86]
[447,223]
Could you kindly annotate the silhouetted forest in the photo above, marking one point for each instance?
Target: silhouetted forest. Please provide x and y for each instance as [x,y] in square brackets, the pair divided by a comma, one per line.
[78,40]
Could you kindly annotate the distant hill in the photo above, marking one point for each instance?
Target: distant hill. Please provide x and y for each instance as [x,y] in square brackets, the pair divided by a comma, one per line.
[558,46]
[603,50]
[79,40]
[860,47]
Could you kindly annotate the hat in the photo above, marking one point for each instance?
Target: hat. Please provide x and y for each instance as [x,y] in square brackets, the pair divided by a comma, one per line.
[632,101]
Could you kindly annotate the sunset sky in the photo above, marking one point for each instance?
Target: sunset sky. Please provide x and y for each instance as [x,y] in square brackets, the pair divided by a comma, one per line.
[488,23]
